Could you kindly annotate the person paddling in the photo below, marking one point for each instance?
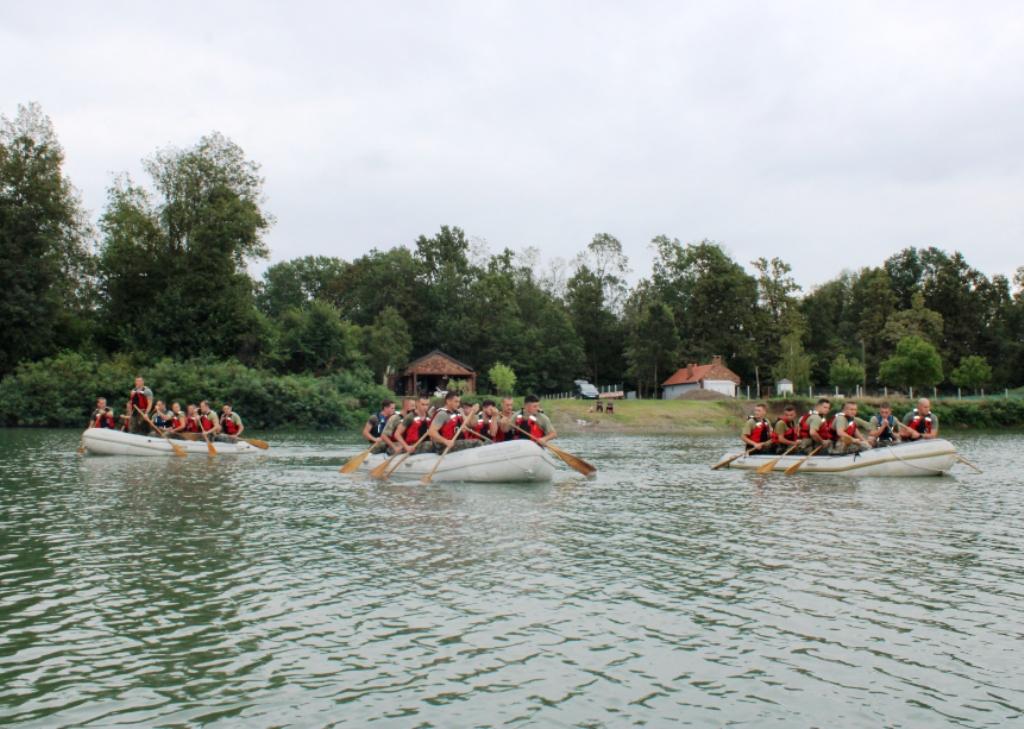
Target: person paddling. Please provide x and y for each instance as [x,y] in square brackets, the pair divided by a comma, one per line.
[533,421]
[757,431]
[850,431]
[377,430]
[921,422]
[785,433]
[208,420]
[177,421]
[815,427]
[231,424]
[506,421]
[413,427]
[160,417]
[102,416]
[446,424]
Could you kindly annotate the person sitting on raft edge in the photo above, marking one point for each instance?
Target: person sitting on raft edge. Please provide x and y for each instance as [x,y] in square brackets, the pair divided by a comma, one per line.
[757,431]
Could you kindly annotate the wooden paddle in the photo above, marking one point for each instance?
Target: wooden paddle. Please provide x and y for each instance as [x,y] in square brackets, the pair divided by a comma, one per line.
[726,461]
[968,463]
[178,450]
[261,444]
[796,466]
[426,479]
[574,462]
[382,472]
[356,461]
[771,464]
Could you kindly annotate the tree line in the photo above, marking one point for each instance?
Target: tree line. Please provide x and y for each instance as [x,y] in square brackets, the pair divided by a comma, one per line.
[164,274]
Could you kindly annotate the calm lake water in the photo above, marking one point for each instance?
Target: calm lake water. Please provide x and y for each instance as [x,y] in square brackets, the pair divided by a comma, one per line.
[273,591]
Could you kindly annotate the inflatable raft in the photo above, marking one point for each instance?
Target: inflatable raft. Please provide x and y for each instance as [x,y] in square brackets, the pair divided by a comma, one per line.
[511,462]
[106,442]
[917,458]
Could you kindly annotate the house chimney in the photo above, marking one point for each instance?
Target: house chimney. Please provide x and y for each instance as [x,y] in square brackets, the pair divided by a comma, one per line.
[716,360]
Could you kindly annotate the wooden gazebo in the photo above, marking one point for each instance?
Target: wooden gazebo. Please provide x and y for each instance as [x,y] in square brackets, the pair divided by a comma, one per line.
[432,372]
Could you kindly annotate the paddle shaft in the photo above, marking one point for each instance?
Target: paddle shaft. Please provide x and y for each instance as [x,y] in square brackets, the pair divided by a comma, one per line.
[771,464]
[799,464]
[730,459]
[178,450]
[574,462]
[426,479]
[383,472]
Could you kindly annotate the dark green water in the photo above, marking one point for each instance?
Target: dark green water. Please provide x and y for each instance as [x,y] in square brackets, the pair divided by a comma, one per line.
[273,591]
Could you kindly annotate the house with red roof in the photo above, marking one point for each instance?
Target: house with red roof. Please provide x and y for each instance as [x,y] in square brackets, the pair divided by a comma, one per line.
[715,377]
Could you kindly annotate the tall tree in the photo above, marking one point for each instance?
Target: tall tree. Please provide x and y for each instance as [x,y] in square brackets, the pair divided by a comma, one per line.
[42,242]
[173,264]
[388,343]
[599,328]
[915,363]
[653,348]
[293,284]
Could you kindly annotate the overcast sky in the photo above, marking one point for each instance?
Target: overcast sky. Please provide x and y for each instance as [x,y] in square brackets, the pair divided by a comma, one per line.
[828,136]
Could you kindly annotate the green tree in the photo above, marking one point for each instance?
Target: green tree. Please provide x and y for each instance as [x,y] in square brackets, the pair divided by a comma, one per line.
[502,378]
[917,321]
[317,340]
[173,266]
[43,235]
[653,346]
[388,343]
[846,374]
[916,363]
[793,363]
[973,372]
[596,325]
[293,284]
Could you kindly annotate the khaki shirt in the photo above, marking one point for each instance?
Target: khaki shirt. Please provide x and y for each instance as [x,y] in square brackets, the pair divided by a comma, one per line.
[842,422]
[782,426]
[814,422]
[935,420]
[392,425]
[543,422]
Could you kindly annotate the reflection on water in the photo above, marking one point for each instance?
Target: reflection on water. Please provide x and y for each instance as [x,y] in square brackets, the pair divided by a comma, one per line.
[273,591]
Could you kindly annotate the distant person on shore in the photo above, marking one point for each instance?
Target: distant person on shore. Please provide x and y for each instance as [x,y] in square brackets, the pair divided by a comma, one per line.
[610,408]
[533,421]
[231,424]
[785,433]
[815,427]
[886,428]
[103,416]
[757,431]
[376,430]
[850,431]
[413,427]
[921,422]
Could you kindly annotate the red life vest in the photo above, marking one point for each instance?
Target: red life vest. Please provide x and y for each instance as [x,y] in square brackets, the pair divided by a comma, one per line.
[138,399]
[177,420]
[761,432]
[824,430]
[501,437]
[447,430]
[475,431]
[191,426]
[103,419]
[921,423]
[228,424]
[529,424]
[790,434]
[207,421]
[416,429]
[851,429]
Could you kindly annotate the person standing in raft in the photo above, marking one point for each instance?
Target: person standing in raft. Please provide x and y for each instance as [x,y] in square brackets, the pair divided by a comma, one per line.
[231,424]
[785,433]
[413,427]
[376,430]
[815,428]
[849,431]
[446,424]
[102,416]
[534,422]
[140,397]
[757,431]
[921,422]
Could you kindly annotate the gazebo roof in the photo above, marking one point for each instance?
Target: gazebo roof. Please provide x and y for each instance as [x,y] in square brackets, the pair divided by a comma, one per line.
[438,363]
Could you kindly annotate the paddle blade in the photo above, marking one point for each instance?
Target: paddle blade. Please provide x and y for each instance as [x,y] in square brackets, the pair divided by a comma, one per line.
[178,450]
[262,444]
[726,461]
[355,462]
[768,466]
[572,461]
[378,472]
[210,450]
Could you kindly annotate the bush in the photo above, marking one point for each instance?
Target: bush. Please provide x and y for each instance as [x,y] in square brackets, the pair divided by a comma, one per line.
[61,391]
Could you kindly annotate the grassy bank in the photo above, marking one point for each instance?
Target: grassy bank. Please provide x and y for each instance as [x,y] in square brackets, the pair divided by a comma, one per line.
[704,416]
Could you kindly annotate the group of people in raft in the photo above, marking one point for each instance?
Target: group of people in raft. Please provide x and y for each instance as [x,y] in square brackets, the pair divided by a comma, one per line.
[835,434]
[423,428]
[143,415]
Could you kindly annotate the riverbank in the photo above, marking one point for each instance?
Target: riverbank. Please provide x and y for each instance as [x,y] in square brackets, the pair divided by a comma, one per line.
[694,417]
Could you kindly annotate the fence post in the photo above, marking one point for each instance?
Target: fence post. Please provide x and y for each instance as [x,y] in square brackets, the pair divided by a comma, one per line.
[958,396]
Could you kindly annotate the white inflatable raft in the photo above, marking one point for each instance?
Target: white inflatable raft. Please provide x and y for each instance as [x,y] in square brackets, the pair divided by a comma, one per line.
[515,461]
[917,458]
[106,442]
